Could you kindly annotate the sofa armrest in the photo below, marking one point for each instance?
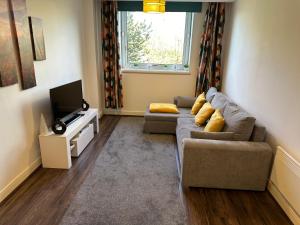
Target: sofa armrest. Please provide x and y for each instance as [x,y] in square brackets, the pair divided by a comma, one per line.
[225,164]
[184,101]
[212,135]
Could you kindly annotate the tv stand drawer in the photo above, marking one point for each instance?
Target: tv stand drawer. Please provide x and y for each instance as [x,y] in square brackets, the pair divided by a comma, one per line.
[82,140]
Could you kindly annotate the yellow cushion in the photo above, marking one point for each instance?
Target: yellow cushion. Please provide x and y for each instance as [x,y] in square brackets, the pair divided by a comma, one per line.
[216,122]
[198,104]
[163,108]
[204,114]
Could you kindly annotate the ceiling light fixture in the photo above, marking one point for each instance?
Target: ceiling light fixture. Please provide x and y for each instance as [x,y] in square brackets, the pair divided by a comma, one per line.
[154,6]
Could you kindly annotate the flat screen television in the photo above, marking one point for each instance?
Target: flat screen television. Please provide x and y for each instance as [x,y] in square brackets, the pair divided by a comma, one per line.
[66,101]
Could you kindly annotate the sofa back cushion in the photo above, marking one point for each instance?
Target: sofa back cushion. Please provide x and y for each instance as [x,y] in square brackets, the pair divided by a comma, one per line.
[220,100]
[225,136]
[258,133]
[211,93]
[239,122]
[184,101]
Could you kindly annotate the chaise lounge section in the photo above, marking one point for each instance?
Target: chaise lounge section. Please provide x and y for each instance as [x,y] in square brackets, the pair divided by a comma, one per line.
[237,158]
[164,123]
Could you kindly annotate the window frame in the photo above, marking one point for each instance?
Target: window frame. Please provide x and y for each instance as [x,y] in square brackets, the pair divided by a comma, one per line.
[155,68]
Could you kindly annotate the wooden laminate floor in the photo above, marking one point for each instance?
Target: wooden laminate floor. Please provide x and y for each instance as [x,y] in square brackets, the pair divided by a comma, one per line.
[45,196]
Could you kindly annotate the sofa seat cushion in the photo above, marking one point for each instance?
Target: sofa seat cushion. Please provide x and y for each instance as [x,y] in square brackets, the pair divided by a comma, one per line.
[185,113]
[239,122]
[185,126]
[188,123]
[160,116]
[183,130]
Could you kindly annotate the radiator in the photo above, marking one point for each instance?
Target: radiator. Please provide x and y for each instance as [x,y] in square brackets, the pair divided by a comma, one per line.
[285,184]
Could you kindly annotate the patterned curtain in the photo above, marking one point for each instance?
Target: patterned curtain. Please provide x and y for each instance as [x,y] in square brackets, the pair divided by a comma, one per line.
[110,55]
[209,74]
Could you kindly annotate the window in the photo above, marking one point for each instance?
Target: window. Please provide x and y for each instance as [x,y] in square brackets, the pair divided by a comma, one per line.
[155,42]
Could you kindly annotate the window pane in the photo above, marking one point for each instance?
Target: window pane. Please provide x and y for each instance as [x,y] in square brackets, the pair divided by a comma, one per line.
[155,38]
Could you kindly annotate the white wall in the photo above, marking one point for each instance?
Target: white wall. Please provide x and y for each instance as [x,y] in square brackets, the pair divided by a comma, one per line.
[91,76]
[21,110]
[141,89]
[262,72]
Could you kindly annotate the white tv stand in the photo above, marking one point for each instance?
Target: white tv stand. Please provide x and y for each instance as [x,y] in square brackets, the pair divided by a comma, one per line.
[56,150]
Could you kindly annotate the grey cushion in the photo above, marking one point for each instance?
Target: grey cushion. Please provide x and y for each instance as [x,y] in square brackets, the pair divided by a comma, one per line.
[185,112]
[184,101]
[239,122]
[184,127]
[220,101]
[212,135]
[170,117]
[210,94]
[188,123]
[183,130]
[258,133]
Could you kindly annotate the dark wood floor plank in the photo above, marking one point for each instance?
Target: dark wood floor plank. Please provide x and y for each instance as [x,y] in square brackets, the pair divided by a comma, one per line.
[195,202]
[242,203]
[230,207]
[46,195]
[270,210]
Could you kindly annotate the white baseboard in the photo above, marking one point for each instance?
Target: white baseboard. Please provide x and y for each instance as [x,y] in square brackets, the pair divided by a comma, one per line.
[19,179]
[285,205]
[123,112]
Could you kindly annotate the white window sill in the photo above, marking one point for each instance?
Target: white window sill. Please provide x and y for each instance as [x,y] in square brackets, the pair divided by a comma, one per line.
[169,72]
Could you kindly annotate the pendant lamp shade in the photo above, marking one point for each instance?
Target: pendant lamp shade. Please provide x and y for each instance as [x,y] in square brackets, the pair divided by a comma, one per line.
[154,6]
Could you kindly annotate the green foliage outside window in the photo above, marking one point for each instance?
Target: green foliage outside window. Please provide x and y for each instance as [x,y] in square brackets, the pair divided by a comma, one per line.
[138,38]
[141,50]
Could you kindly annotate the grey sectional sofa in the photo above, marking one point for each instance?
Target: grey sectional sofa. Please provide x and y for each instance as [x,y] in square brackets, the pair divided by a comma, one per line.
[237,158]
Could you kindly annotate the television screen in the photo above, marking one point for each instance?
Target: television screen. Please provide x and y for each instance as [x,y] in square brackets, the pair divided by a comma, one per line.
[66,99]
